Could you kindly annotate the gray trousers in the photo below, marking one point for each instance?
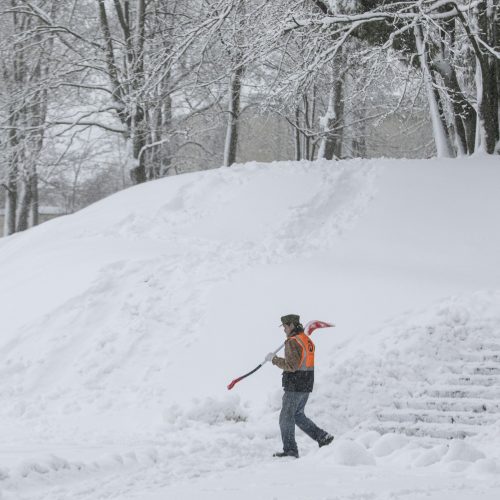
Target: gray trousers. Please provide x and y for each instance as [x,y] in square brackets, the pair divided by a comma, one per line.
[292,413]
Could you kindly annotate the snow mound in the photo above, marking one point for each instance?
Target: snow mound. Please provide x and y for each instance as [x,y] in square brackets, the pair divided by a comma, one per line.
[131,279]
[462,451]
[123,324]
[209,411]
[430,457]
[485,466]
[388,444]
[347,452]
[368,439]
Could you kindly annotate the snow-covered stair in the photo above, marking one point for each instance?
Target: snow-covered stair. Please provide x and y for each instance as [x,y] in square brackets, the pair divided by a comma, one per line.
[456,405]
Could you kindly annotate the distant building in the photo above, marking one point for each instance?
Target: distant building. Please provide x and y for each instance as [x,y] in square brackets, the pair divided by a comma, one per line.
[46,213]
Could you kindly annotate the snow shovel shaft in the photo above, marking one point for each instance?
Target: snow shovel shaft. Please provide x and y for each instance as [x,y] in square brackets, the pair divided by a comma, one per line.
[236,380]
[310,327]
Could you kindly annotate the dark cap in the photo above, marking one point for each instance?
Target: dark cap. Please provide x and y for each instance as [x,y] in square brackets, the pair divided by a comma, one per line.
[290,318]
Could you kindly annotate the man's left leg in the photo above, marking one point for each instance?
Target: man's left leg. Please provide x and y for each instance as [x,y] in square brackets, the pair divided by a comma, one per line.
[287,424]
[308,426]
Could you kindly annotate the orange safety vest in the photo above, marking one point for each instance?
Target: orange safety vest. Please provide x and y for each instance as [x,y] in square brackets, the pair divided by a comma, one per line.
[307,347]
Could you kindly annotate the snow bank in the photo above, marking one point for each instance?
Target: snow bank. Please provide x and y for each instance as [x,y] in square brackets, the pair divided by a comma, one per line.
[123,324]
[485,466]
[389,443]
[405,355]
[347,452]
[430,457]
[368,439]
[459,450]
[209,410]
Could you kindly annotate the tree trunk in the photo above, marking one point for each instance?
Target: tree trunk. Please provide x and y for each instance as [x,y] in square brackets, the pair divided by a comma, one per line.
[359,142]
[463,112]
[231,144]
[10,206]
[487,86]
[160,159]
[331,142]
[306,140]
[296,134]
[488,63]
[312,120]
[24,206]
[154,154]
[140,125]
[441,138]
[13,170]
[442,114]
[34,207]
[126,94]
[138,168]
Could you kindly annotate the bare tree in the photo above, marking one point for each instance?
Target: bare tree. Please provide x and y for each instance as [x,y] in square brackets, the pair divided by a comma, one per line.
[422,31]
[26,75]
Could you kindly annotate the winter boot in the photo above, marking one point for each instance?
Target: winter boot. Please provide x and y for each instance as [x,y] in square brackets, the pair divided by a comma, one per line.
[325,441]
[282,454]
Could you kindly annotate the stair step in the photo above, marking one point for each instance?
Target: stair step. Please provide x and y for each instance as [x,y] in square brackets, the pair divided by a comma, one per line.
[474,368]
[436,416]
[488,346]
[468,400]
[461,391]
[451,404]
[425,429]
[476,380]
[481,356]
[486,370]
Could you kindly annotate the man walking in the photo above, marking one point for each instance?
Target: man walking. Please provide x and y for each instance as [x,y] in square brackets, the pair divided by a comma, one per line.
[298,381]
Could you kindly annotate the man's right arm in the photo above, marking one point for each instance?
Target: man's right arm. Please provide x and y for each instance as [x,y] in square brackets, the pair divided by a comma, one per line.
[291,361]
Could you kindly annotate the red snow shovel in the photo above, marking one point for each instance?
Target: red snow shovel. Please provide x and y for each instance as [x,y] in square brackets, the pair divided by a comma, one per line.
[309,328]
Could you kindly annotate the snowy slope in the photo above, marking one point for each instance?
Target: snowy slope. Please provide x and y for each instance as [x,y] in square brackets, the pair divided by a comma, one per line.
[123,324]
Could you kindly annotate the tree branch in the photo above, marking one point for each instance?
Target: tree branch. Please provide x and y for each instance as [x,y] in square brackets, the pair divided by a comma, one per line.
[83,123]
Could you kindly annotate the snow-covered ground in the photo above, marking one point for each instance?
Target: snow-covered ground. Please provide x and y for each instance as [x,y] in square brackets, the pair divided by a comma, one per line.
[122,325]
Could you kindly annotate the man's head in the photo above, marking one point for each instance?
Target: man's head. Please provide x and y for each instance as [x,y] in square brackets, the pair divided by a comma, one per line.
[290,322]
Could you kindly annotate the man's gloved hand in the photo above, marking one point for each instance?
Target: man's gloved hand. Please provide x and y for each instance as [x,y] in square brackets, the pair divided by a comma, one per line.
[270,356]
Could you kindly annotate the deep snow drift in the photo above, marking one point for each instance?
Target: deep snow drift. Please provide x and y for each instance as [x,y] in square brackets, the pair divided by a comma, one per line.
[123,324]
